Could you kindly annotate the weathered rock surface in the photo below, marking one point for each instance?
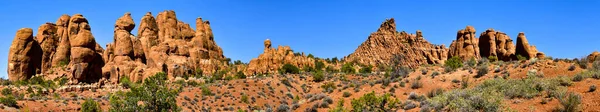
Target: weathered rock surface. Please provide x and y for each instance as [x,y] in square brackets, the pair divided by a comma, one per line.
[63,50]
[524,49]
[48,40]
[466,45]
[272,59]
[24,56]
[495,43]
[85,62]
[381,46]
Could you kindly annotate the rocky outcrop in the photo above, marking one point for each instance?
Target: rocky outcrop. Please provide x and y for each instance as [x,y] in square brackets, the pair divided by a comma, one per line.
[272,59]
[381,46]
[496,43]
[594,56]
[163,44]
[48,40]
[63,49]
[466,45]
[526,50]
[85,62]
[24,56]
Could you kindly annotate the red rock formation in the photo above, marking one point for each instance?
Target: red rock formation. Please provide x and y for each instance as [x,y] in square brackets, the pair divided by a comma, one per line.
[48,40]
[493,43]
[381,46]
[524,49]
[24,56]
[84,58]
[466,45]
[271,60]
[594,56]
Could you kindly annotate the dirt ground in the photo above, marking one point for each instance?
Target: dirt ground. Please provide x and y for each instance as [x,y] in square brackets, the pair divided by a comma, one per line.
[271,91]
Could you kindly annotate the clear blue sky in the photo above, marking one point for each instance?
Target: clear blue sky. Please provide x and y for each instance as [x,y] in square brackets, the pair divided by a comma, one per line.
[565,28]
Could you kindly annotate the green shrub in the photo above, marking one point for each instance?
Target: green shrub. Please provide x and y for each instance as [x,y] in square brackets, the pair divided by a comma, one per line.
[245,99]
[90,106]
[308,69]
[521,58]
[310,55]
[206,91]
[289,68]
[329,85]
[7,91]
[464,100]
[318,76]
[578,77]
[592,88]
[154,94]
[346,94]
[416,84]
[481,71]
[126,83]
[435,92]
[319,65]
[372,103]
[198,73]
[472,62]
[493,58]
[400,72]
[347,68]
[570,102]
[366,69]
[240,75]
[583,63]
[453,63]
[9,101]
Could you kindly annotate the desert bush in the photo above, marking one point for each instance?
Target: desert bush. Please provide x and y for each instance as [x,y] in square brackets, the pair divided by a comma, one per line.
[453,63]
[416,84]
[307,68]
[372,103]
[400,72]
[339,107]
[569,102]
[347,68]
[409,105]
[240,75]
[493,58]
[481,71]
[7,91]
[244,98]
[366,69]
[435,92]
[318,76]
[592,88]
[583,62]
[286,82]
[154,94]
[471,62]
[434,74]
[464,83]
[328,86]
[465,100]
[424,71]
[289,68]
[571,68]
[578,77]
[346,94]
[283,108]
[319,65]
[90,106]
[9,101]
[521,58]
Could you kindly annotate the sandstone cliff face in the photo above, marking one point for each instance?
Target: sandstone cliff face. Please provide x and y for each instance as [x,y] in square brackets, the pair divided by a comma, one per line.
[23,56]
[381,46]
[466,45]
[495,43]
[271,60]
[68,49]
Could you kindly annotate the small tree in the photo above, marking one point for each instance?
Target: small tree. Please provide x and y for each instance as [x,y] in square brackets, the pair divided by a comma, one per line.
[154,94]
[319,65]
[453,63]
[318,76]
[347,68]
[289,68]
[366,69]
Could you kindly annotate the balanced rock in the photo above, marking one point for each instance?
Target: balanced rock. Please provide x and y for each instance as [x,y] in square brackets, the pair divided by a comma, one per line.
[383,46]
[84,58]
[466,45]
[24,56]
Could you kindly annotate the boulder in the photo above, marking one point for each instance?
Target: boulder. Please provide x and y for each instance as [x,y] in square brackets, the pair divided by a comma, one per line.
[24,56]
[594,56]
[83,51]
